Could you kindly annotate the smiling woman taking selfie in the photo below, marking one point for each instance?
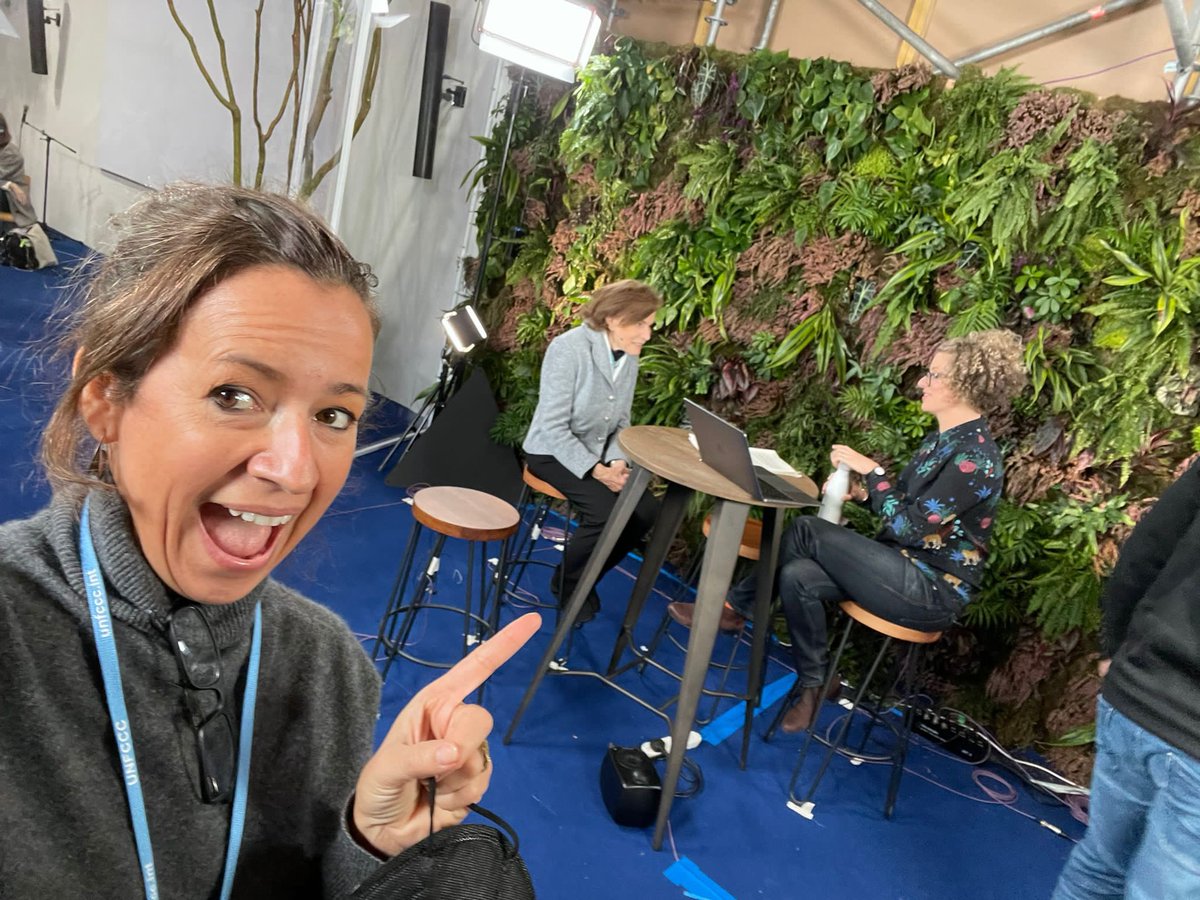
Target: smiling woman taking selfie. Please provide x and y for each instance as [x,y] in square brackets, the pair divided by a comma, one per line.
[176,723]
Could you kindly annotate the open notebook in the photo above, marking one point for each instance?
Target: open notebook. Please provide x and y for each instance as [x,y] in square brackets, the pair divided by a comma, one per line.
[762,457]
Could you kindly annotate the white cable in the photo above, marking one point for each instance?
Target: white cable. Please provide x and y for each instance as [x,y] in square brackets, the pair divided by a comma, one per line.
[987,736]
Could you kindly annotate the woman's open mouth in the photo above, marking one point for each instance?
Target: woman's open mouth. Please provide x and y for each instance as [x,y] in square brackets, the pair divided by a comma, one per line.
[242,536]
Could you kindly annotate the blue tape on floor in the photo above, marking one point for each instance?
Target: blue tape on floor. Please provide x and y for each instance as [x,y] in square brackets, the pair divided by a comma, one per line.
[732,719]
[687,875]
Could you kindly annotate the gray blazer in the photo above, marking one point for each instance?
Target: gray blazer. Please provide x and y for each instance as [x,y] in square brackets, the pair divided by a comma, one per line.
[581,405]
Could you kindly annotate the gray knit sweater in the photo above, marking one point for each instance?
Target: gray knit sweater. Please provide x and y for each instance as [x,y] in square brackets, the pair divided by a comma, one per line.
[64,822]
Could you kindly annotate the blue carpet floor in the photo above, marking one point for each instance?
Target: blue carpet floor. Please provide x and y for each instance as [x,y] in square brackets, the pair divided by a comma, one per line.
[735,838]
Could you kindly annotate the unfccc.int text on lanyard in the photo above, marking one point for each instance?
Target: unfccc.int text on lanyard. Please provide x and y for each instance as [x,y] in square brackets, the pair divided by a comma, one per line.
[110,669]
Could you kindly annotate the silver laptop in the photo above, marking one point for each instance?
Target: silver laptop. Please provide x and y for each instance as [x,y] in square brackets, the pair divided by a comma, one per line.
[725,448]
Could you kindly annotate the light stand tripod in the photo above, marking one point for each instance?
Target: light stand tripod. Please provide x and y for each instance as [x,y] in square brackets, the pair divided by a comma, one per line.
[46,171]
[434,402]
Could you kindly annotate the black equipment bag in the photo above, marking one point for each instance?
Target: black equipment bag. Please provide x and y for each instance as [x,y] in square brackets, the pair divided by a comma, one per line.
[463,862]
[17,250]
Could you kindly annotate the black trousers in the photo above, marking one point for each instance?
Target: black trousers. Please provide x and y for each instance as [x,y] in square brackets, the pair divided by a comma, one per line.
[592,504]
[821,563]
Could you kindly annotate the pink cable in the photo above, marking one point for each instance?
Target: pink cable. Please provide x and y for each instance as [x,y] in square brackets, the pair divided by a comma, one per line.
[1127,62]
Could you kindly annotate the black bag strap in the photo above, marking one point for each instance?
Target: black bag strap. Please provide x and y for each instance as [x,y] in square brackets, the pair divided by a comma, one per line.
[513,841]
[462,862]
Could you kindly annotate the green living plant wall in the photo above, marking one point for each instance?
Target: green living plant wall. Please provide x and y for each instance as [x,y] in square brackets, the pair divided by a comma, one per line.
[815,230]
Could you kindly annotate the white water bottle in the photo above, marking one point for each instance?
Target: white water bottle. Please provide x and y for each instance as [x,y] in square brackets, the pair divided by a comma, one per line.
[835,492]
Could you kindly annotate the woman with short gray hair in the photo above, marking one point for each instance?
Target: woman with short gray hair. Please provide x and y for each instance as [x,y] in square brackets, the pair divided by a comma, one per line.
[587,382]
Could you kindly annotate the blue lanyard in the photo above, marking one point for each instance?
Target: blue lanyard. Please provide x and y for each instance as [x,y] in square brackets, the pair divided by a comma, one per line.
[110,669]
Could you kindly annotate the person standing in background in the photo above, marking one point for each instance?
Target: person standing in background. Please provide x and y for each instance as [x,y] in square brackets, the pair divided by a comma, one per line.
[1143,835]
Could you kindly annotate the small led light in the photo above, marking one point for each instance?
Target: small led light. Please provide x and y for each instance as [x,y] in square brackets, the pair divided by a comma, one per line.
[463,328]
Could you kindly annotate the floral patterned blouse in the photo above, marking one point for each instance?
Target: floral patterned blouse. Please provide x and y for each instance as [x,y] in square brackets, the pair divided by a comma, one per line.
[939,512]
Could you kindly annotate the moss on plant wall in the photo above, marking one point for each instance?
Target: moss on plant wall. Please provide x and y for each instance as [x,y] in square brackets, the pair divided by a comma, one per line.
[816,229]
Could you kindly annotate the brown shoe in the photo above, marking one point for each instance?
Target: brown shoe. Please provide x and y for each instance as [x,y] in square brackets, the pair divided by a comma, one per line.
[802,713]
[684,613]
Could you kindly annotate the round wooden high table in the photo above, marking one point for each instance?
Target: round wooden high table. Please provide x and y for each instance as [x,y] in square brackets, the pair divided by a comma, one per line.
[667,452]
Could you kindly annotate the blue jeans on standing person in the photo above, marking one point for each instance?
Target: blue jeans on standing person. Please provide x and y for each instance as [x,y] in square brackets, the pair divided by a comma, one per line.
[821,563]
[1143,835]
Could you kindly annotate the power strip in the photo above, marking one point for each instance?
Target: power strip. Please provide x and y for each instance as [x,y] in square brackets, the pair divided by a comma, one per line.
[952,735]
[662,746]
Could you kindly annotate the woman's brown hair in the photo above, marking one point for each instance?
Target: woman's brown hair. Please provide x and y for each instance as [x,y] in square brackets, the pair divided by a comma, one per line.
[627,301]
[172,247]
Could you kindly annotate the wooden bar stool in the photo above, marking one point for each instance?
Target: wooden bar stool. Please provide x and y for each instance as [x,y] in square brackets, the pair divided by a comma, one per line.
[449,512]
[890,631]
[749,548]
[522,554]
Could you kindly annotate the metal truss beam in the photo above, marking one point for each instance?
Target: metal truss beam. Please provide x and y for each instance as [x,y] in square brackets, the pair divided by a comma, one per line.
[922,46]
[1093,15]
[1185,33]
[768,26]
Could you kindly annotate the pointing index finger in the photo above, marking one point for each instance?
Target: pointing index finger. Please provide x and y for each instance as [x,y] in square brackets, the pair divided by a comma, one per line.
[479,665]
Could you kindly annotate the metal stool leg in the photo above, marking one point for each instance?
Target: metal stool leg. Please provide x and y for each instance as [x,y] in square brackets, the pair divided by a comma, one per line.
[736,640]
[912,660]
[836,742]
[900,670]
[424,583]
[689,581]
[565,656]
[562,569]
[393,604]
[652,648]
[522,549]
[468,599]
[494,602]
[527,539]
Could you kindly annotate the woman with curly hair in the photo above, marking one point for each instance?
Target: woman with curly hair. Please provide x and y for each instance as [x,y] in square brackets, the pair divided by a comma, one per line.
[927,560]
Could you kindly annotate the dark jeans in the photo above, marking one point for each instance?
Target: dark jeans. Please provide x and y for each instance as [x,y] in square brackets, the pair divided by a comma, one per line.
[592,504]
[821,563]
